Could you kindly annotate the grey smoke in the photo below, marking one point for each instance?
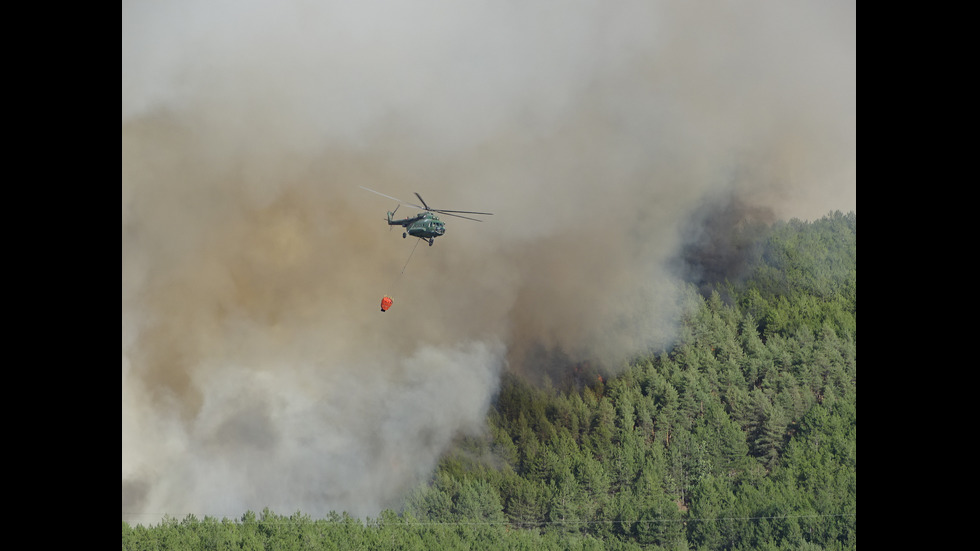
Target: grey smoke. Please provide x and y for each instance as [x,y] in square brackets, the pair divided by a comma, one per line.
[258,369]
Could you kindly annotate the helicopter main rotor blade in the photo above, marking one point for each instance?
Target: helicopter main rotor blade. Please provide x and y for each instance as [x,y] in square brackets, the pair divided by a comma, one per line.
[427,208]
[444,211]
[462,211]
[394,198]
[423,201]
[459,216]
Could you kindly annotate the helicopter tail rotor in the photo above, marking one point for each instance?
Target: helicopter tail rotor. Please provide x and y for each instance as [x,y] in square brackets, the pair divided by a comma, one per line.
[391,214]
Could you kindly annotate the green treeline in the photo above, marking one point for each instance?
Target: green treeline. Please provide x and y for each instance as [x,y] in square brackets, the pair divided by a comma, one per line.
[741,436]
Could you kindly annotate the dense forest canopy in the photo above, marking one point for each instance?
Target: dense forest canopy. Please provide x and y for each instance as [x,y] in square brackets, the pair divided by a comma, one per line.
[741,435]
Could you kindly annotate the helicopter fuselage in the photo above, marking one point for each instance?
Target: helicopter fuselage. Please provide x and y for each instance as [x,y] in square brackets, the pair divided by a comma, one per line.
[424,226]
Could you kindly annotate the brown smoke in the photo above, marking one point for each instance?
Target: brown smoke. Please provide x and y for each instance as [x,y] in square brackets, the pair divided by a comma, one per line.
[258,369]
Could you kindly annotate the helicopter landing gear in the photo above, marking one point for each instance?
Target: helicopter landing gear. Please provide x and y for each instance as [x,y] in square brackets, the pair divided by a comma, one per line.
[431,240]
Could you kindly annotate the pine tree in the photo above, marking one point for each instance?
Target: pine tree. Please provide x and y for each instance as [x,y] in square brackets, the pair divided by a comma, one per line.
[478,501]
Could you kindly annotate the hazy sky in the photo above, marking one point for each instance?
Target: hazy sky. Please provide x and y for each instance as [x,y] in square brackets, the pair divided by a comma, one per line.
[258,369]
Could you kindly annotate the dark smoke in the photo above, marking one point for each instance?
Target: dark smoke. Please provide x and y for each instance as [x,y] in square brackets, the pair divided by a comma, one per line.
[608,139]
[723,239]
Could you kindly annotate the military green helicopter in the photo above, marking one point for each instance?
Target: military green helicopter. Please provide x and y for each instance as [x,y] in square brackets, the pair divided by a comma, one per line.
[424,225]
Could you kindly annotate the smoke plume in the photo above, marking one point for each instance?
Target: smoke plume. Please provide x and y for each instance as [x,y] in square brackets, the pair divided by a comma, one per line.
[258,370]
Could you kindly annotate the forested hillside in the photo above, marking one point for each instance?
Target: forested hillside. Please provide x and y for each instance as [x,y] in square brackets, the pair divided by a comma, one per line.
[741,436]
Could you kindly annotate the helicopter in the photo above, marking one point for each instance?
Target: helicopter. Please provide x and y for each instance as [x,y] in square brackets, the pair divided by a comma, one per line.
[424,225]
